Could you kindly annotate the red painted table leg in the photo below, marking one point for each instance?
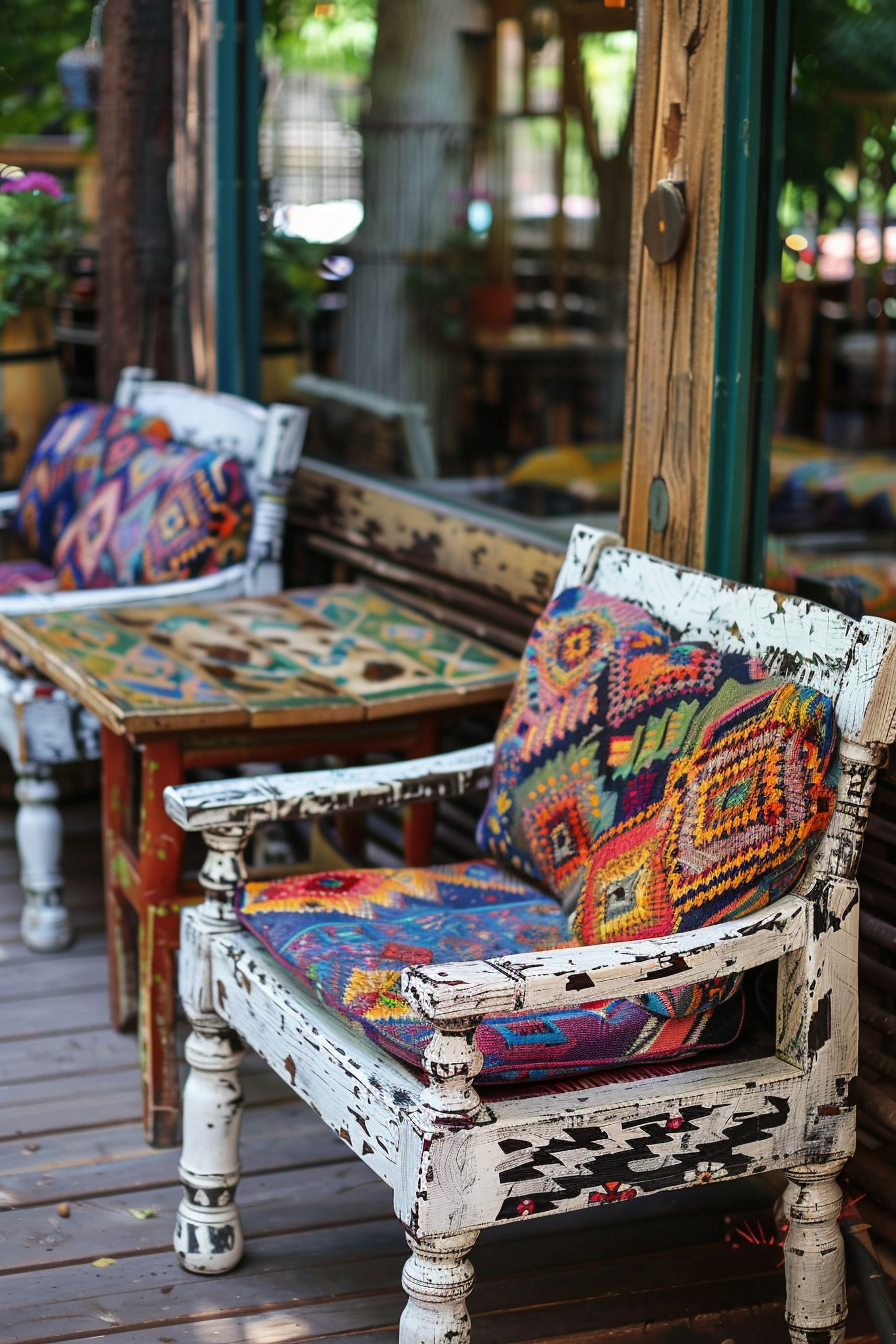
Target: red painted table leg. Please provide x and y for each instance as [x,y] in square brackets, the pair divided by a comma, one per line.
[121,943]
[161,851]
[420,820]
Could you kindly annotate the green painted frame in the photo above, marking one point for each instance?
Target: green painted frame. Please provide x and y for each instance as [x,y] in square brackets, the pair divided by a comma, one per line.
[237,230]
[757,74]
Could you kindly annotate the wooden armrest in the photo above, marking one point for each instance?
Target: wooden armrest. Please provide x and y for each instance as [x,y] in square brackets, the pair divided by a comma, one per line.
[569,977]
[315,793]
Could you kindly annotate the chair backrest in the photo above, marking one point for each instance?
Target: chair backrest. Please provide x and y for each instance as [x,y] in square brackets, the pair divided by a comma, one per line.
[851,661]
[267,441]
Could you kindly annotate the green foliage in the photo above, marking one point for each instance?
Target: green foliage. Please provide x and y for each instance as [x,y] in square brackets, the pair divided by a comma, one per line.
[438,283]
[845,45]
[34,37]
[841,137]
[39,232]
[289,273]
[322,38]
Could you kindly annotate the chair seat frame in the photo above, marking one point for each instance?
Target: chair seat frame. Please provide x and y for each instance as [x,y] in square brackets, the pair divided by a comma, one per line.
[459,1161]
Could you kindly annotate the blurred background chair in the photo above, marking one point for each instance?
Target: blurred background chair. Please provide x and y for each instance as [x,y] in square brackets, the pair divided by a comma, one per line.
[172,491]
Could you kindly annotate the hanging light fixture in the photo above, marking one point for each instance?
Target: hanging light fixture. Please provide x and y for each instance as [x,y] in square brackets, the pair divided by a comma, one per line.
[79,69]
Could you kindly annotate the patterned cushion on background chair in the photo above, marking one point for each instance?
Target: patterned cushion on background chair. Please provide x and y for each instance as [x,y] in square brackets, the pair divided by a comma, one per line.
[65,465]
[348,935]
[25,576]
[158,513]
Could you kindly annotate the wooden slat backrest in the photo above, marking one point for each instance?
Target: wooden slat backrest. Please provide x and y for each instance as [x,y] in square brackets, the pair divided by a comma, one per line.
[495,576]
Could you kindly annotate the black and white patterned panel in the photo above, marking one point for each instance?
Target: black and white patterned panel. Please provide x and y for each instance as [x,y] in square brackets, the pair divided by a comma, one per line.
[605,1164]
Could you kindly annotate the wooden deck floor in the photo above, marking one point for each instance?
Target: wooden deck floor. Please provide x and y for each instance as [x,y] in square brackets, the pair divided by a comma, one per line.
[324,1252]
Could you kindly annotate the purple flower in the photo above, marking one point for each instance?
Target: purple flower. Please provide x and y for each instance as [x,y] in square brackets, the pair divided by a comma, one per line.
[45,182]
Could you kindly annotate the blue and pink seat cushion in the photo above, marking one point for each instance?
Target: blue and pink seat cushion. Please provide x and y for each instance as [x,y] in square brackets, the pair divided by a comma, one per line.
[348,936]
[643,786]
[26,576]
[110,500]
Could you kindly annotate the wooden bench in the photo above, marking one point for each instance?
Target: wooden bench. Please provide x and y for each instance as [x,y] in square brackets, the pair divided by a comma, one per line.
[473,568]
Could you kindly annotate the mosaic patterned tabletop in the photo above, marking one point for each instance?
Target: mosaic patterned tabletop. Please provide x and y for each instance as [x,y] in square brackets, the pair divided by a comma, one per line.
[339,653]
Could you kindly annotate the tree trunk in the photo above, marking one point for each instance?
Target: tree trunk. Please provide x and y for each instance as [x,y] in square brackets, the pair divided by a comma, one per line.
[135,261]
[417,158]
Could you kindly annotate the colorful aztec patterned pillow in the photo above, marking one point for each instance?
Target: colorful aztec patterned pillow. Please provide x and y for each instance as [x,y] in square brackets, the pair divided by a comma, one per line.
[65,467]
[349,935]
[601,708]
[158,513]
[747,799]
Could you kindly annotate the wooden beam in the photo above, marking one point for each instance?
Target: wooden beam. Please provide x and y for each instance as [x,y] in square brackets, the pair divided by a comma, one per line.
[679,125]
[135,252]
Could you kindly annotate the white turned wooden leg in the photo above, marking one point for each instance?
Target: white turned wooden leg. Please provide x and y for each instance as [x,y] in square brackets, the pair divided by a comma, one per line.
[437,1279]
[814,1258]
[207,1236]
[45,921]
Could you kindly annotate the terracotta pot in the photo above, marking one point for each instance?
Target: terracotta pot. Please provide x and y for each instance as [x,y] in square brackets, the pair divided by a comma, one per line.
[284,355]
[492,306]
[31,388]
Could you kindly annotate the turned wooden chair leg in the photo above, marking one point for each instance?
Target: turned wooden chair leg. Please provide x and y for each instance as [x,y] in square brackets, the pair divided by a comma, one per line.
[45,923]
[437,1279]
[814,1257]
[207,1235]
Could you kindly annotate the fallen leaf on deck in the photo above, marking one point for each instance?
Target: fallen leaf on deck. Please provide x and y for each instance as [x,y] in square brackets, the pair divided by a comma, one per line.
[143,1213]
[103,1261]
[110,1318]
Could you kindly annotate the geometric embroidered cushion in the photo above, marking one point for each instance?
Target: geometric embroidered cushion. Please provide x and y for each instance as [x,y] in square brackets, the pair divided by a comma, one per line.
[202,522]
[747,799]
[601,709]
[64,468]
[159,512]
[348,935]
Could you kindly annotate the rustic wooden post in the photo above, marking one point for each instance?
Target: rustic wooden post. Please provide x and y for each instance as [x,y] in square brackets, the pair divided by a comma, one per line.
[135,252]
[193,192]
[707,107]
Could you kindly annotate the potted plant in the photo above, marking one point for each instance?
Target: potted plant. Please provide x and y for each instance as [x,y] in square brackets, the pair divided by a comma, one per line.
[39,230]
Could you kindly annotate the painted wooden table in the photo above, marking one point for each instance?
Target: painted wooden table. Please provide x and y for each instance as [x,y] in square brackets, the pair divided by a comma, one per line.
[341,669]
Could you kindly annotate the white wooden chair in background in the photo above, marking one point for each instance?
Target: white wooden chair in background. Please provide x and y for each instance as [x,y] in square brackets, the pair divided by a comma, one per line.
[40,726]
[453,1156]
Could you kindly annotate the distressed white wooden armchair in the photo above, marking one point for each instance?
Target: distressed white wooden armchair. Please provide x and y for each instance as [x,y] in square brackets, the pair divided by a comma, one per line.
[460,1159]
[40,726]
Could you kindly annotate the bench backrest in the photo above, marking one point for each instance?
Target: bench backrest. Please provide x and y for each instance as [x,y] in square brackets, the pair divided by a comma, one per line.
[486,575]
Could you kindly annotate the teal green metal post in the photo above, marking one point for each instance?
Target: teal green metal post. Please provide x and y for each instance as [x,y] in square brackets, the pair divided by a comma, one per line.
[749,263]
[237,240]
